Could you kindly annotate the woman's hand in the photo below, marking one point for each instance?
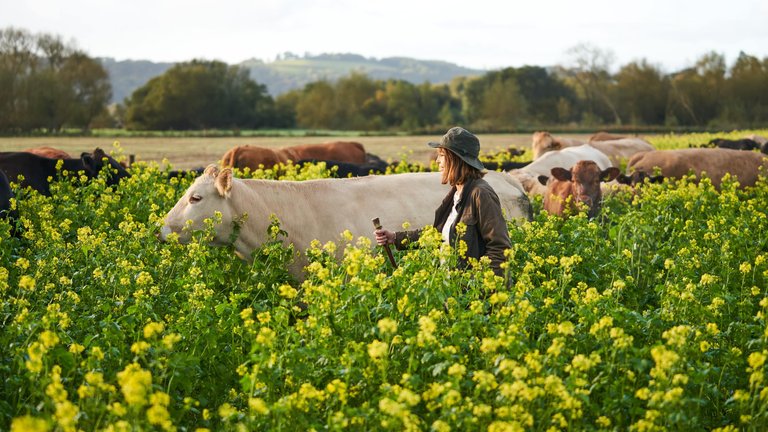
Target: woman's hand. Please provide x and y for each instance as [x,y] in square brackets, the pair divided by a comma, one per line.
[384,237]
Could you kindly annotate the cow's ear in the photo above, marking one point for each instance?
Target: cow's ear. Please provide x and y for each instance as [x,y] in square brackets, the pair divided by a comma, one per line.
[543,179]
[89,162]
[624,179]
[557,145]
[561,174]
[224,182]
[609,174]
[211,170]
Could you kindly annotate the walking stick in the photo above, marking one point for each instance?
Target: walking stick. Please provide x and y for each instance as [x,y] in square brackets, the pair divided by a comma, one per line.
[377,225]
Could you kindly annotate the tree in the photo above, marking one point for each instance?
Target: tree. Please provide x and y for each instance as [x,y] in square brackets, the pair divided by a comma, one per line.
[590,73]
[316,108]
[46,84]
[641,93]
[746,91]
[199,95]
[696,92]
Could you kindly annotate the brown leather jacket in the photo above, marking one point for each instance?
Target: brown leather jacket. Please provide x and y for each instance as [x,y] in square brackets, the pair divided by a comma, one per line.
[479,209]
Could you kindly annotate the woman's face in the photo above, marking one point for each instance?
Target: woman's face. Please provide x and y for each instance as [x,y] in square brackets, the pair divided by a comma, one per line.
[441,159]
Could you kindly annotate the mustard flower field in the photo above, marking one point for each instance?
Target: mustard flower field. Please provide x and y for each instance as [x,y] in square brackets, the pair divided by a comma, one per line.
[651,317]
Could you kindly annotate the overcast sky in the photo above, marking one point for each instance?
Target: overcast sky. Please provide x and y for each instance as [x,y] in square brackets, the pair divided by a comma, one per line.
[480,34]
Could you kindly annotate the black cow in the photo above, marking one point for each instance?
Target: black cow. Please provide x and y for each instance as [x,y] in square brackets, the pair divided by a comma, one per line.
[192,172]
[36,169]
[638,177]
[12,215]
[739,144]
[346,169]
[504,166]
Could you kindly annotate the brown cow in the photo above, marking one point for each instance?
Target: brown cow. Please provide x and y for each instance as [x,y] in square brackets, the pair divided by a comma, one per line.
[605,136]
[49,152]
[580,185]
[252,156]
[715,162]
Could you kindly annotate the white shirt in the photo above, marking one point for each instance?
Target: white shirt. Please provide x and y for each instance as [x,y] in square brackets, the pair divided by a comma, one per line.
[451,218]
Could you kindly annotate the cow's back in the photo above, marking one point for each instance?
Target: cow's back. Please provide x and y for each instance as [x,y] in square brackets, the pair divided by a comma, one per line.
[715,162]
[323,209]
[253,157]
[566,158]
[49,152]
[33,168]
[622,149]
[342,151]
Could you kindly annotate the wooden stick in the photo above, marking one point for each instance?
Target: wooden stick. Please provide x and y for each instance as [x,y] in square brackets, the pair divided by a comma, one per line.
[377,225]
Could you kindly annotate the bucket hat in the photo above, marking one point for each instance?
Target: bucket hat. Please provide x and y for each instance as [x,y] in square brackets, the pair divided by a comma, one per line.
[463,144]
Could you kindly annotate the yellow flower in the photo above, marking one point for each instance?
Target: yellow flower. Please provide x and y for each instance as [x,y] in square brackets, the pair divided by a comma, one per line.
[440,426]
[457,370]
[170,340]
[159,415]
[756,360]
[49,339]
[27,283]
[139,347]
[30,424]
[35,351]
[377,349]
[266,336]
[287,291]
[258,406]
[76,348]
[226,411]
[387,326]
[152,329]
[135,383]
[643,393]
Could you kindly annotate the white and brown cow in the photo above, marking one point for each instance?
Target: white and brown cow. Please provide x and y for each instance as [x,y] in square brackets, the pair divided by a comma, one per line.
[565,158]
[319,209]
[570,189]
[715,162]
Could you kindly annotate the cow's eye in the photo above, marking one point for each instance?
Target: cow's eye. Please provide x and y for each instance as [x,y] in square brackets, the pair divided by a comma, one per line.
[195,198]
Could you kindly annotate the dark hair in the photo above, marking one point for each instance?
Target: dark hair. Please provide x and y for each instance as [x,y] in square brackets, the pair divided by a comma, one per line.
[456,171]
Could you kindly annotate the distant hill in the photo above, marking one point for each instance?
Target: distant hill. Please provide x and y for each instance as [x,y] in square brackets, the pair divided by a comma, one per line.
[290,71]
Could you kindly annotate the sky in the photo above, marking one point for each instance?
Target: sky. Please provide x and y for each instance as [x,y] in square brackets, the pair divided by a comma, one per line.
[479,34]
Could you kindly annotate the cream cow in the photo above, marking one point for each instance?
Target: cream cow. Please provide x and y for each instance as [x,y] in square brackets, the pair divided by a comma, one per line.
[319,209]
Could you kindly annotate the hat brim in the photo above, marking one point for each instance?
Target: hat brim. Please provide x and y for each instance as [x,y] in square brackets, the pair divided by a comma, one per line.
[471,161]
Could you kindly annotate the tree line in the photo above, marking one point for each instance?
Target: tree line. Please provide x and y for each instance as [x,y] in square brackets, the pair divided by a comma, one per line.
[47,85]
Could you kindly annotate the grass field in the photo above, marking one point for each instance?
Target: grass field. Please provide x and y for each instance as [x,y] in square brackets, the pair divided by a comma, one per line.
[194,152]
[191,152]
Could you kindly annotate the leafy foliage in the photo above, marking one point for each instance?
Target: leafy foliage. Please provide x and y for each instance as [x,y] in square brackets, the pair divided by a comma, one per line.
[201,95]
[650,318]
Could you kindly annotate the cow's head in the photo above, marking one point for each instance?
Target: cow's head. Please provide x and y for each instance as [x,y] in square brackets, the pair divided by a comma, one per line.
[638,177]
[207,195]
[579,185]
[94,162]
[544,142]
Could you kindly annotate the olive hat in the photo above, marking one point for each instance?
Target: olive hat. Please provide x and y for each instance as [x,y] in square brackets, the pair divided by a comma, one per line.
[463,144]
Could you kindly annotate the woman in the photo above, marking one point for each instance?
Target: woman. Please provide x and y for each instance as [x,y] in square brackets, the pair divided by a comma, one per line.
[471,201]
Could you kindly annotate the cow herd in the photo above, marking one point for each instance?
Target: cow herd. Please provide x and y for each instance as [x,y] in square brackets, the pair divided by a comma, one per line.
[570,175]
